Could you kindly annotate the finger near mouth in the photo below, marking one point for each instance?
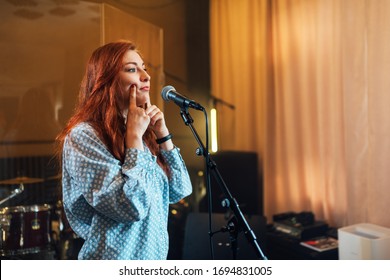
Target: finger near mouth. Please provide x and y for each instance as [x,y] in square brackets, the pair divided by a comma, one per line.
[143,106]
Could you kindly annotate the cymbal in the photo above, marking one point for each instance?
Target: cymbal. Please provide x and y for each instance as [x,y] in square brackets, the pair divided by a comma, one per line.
[55,177]
[21,180]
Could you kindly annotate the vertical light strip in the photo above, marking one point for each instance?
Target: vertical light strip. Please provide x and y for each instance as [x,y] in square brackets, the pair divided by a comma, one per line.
[214,133]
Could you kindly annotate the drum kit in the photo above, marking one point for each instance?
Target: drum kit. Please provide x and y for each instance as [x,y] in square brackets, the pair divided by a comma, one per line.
[31,229]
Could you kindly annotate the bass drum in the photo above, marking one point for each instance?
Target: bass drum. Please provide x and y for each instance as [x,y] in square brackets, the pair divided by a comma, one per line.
[25,229]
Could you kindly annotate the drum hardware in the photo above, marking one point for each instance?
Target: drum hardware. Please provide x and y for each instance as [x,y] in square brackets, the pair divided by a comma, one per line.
[18,181]
[25,229]
[14,193]
[29,231]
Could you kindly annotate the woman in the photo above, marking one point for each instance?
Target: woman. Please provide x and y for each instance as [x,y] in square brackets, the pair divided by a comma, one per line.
[120,168]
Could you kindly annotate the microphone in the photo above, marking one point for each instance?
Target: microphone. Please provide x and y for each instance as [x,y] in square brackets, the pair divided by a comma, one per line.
[170,93]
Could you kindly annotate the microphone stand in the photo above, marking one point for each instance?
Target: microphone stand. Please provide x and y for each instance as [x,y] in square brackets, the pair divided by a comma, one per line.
[239,222]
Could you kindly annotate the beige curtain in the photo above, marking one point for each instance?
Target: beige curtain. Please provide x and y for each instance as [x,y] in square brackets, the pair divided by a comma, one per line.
[308,78]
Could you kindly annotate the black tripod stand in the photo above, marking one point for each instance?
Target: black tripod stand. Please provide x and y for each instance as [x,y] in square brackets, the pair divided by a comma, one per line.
[238,223]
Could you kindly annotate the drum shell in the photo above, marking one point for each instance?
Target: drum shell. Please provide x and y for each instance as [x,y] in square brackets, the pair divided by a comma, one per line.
[25,229]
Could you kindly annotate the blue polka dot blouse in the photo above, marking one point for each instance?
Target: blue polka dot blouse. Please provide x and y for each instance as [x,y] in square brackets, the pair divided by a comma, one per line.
[120,210]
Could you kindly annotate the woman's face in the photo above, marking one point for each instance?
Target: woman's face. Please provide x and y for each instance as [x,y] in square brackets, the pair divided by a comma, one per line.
[134,73]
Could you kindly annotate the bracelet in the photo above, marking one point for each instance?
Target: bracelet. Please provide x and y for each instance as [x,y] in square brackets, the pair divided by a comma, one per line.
[164,139]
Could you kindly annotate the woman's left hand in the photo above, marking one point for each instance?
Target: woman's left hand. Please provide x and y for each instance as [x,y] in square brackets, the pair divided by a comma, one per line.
[157,123]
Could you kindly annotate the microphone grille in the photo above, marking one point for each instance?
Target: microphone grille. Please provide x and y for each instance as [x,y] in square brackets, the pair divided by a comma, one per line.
[165,91]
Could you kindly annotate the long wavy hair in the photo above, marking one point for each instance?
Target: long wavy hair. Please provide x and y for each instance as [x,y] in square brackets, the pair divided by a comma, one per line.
[99,103]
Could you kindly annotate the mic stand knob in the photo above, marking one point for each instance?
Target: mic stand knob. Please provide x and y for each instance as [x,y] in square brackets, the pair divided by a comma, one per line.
[199,151]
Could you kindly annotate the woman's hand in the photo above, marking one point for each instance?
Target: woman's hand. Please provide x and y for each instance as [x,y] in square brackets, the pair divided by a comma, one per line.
[158,125]
[137,122]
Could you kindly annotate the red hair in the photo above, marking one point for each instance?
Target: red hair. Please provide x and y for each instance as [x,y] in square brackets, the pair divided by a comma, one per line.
[99,102]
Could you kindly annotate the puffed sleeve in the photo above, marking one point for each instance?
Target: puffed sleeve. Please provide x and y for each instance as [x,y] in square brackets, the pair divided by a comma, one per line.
[179,180]
[94,180]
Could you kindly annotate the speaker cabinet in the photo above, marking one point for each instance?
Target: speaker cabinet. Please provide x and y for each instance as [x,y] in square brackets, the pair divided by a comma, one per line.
[197,242]
[240,171]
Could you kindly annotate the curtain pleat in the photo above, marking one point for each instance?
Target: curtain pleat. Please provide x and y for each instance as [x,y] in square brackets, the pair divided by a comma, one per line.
[308,79]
